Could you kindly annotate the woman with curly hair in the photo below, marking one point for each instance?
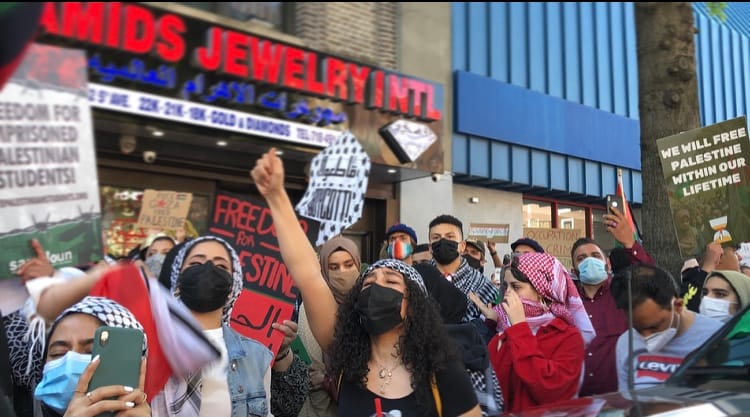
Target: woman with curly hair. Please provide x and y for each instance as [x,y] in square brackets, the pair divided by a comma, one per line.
[388,345]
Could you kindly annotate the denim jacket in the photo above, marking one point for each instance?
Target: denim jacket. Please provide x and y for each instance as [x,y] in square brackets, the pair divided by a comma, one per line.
[248,363]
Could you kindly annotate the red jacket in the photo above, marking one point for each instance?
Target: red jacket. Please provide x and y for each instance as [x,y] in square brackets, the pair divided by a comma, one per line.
[535,370]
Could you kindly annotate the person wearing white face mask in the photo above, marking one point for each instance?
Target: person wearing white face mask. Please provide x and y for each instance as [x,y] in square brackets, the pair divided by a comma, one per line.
[724,294]
[664,330]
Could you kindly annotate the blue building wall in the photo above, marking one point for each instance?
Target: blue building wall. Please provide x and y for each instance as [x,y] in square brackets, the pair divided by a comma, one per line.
[546,94]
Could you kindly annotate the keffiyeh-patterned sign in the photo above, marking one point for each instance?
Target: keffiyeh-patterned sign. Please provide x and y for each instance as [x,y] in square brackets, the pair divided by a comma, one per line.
[338,181]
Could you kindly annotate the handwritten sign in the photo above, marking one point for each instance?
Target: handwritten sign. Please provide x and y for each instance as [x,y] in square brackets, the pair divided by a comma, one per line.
[556,242]
[338,181]
[491,232]
[164,209]
[706,172]
[48,182]
[269,292]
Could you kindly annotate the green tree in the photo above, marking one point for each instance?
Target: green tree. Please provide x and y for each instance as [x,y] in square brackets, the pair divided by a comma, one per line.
[668,104]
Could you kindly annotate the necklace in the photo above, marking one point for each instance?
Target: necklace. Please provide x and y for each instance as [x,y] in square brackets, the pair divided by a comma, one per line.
[385,374]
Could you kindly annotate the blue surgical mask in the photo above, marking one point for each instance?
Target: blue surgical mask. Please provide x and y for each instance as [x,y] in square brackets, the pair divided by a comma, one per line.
[59,380]
[592,271]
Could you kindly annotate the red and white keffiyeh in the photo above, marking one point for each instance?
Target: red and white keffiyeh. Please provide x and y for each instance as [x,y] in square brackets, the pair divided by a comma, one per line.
[553,283]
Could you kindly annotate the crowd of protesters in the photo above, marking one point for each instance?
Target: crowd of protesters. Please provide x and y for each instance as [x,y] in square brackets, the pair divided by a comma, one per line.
[423,331]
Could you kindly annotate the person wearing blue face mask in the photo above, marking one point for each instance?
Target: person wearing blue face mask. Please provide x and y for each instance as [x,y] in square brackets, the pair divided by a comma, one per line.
[68,368]
[593,270]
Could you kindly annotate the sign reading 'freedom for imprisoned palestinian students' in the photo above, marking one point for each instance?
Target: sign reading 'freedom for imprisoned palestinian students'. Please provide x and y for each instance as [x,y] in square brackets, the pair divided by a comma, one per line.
[338,181]
[269,292]
[706,172]
[48,181]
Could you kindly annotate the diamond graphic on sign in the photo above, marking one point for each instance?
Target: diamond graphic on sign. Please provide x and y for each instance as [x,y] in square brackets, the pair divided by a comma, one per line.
[338,181]
[407,139]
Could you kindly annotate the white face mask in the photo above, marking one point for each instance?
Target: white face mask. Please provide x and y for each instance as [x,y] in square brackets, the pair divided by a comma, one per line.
[658,340]
[715,308]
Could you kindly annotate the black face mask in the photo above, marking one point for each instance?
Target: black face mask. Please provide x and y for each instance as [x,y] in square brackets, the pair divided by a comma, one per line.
[204,287]
[474,263]
[445,251]
[379,309]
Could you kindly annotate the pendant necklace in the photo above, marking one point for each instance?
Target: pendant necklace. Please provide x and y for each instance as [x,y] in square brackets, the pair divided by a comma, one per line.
[385,374]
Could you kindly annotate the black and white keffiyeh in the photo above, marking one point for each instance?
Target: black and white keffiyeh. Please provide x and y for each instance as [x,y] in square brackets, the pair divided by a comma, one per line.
[236,271]
[405,269]
[107,311]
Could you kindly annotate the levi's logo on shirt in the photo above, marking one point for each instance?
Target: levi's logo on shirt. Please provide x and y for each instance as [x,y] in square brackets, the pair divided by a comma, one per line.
[657,366]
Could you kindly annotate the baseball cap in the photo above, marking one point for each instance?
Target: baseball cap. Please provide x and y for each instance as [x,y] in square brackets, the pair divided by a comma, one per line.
[527,242]
[477,244]
[400,227]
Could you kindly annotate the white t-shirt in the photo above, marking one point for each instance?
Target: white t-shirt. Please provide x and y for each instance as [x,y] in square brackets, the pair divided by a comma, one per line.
[654,368]
[215,400]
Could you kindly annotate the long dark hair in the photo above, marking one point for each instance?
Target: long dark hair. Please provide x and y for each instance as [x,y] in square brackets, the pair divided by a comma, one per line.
[424,345]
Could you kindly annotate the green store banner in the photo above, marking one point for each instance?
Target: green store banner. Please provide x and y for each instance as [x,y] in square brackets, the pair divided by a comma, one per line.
[706,172]
[48,179]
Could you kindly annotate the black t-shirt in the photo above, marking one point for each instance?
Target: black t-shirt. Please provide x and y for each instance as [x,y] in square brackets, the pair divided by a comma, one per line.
[456,395]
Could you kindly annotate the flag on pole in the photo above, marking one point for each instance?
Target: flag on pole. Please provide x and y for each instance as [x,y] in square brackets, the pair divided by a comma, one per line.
[626,208]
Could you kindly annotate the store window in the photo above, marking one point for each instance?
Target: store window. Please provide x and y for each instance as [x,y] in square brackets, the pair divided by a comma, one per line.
[571,217]
[120,209]
[273,13]
[537,214]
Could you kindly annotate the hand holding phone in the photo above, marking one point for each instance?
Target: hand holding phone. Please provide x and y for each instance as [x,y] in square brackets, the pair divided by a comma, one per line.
[119,350]
[615,202]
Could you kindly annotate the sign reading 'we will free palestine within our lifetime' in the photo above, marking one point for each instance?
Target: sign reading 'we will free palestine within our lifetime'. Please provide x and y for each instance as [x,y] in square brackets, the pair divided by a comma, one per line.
[706,172]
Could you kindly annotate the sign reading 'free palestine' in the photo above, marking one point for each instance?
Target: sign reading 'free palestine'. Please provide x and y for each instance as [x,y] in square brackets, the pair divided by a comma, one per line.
[706,172]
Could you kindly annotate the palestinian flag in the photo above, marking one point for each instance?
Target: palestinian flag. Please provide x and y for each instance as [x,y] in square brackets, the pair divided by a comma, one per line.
[19,23]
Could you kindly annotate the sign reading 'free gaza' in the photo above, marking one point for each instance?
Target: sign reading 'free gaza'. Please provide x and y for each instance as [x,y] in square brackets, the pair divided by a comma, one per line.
[706,172]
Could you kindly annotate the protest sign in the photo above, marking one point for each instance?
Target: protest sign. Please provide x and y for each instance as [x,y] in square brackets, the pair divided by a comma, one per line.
[48,180]
[338,181]
[489,232]
[164,209]
[556,242]
[269,292]
[706,177]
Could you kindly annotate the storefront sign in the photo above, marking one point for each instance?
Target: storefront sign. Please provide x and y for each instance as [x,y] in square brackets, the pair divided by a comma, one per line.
[706,172]
[338,181]
[145,104]
[285,91]
[489,232]
[269,293]
[48,181]
[140,30]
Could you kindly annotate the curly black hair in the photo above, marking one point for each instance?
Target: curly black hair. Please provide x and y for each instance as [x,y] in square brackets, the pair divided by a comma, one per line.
[424,345]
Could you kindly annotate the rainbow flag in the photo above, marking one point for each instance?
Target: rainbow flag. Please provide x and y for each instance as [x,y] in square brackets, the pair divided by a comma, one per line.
[19,23]
[626,209]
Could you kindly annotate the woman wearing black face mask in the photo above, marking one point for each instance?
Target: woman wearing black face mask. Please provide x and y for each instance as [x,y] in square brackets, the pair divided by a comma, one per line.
[206,276]
[387,342]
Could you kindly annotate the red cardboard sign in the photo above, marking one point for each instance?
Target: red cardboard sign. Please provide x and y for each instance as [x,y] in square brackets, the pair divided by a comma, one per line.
[269,292]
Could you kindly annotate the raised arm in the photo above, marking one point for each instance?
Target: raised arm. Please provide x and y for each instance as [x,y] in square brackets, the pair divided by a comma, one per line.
[296,251]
